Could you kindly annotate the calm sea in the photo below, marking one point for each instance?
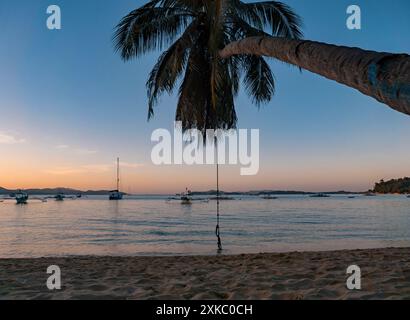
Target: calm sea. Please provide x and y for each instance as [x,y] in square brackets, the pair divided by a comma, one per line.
[147,225]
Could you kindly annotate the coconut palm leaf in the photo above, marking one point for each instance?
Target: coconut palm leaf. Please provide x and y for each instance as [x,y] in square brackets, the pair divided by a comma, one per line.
[194,31]
[258,79]
[149,29]
[170,66]
[277,16]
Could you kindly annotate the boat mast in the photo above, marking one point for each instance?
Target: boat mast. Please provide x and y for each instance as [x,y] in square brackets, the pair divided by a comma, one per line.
[118,174]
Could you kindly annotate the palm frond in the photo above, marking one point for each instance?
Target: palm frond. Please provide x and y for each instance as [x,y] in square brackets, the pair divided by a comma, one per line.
[149,28]
[241,10]
[239,29]
[192,5]
[197,108]
[170,66]
[259,80]
[277,16]
[234,69]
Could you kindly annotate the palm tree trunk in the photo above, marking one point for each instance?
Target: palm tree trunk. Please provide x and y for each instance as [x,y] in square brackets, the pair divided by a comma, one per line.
[383,76]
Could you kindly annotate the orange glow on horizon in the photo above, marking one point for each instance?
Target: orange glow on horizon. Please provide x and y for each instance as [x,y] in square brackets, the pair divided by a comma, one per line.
[173,179]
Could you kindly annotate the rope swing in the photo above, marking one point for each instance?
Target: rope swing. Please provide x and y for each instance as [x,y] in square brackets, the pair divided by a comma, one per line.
[217,230]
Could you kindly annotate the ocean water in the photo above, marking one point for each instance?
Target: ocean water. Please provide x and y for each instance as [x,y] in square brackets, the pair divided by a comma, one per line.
[148,225]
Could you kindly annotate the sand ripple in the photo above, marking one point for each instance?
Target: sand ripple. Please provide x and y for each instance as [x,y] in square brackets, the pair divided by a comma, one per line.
[297,275]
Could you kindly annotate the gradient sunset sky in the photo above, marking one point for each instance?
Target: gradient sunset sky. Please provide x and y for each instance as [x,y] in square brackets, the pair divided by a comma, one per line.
[69,106]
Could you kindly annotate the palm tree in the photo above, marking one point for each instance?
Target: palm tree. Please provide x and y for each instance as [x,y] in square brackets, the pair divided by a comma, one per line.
[194,31]
[383,76]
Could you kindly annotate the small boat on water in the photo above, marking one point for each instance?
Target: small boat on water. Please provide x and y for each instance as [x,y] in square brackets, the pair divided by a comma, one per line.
[21,197]
[320,195]
[117,194]
[186,201]
[370,194]
[269,197]
[59,197]
[186,197]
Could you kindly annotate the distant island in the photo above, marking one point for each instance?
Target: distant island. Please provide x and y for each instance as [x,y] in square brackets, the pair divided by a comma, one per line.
[60,190]
[393,186]
[267,192]
[400,186]
[69,191]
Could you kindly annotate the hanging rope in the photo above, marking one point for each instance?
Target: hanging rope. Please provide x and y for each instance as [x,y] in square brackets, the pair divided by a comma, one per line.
[217,230]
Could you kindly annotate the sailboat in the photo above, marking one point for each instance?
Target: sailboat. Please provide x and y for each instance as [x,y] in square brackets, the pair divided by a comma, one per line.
[117,194]
[21,197]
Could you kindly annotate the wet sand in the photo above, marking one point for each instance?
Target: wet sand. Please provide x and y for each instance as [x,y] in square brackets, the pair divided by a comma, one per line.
[295,275]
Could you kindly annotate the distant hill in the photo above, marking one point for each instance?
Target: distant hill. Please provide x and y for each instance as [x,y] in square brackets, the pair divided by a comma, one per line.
[49,191]
[69,191]
[3,191]
[393,186]
[267,192]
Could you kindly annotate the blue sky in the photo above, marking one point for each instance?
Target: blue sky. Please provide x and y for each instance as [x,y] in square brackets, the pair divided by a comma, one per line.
[70,102]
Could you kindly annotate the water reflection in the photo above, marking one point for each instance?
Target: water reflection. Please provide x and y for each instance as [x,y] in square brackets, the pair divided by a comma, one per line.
[153,226]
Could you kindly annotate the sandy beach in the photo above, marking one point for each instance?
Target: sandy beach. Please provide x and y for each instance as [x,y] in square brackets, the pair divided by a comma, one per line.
[296,275]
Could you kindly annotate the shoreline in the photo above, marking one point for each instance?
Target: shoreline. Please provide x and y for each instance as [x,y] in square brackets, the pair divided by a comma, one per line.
[385,274]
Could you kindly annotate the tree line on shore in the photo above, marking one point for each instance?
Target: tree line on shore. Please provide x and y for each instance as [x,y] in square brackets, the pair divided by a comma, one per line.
[401,186]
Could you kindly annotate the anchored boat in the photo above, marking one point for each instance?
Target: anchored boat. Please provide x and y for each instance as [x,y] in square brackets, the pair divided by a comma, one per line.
[117,194]
[320,195]
[186,197]
[21,197]
[269,197]
[59,197]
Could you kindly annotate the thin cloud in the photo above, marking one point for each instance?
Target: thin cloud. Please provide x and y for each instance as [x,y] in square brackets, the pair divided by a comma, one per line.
[86,151]
[81,151]
[89,168]
[97,167]
[63,171]
[9,139]
[62,146]
[130,165]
